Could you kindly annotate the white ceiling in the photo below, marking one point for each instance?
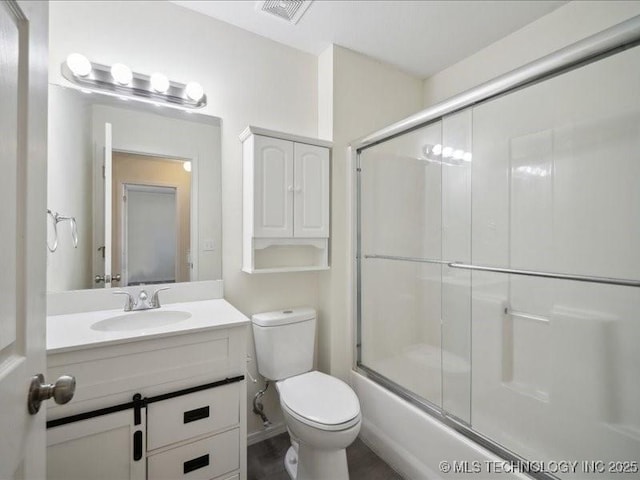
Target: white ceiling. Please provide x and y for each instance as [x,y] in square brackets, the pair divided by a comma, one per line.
[419,37]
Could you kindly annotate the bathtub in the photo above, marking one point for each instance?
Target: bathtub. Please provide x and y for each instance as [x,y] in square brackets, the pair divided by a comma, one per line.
[415,444]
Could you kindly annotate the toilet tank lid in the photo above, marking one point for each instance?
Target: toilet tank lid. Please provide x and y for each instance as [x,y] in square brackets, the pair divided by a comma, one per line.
[284,316]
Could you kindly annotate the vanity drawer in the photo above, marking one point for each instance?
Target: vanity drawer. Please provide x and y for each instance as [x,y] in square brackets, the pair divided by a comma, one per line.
[205,459]
[177,419]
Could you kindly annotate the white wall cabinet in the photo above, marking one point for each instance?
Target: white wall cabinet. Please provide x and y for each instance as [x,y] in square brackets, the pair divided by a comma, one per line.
[286,201]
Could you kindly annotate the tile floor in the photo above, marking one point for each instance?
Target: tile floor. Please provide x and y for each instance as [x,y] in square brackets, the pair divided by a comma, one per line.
[265,461]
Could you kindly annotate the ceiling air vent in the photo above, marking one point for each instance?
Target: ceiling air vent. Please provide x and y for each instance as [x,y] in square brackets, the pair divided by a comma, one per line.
[289,10]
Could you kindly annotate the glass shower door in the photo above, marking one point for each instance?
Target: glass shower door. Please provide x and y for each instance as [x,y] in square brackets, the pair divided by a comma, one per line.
[545,180]
[556,188]
[415,214]
[401,245]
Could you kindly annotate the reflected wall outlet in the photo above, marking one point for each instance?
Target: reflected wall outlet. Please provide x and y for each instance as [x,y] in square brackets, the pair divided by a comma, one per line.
[209,245]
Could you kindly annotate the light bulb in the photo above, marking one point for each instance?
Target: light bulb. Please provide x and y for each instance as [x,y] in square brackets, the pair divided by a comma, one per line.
[121,73]
[467,156]
[447,152]
[458,154]
[437,149]
[186,166]
[194,91]
[79,64]
[159,82]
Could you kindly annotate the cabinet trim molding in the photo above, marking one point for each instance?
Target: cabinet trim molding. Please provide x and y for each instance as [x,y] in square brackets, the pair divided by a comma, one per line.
[251,130]
[140,402]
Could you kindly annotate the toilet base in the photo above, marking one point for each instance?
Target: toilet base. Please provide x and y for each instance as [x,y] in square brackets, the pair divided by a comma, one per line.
[291,462]
[312,464]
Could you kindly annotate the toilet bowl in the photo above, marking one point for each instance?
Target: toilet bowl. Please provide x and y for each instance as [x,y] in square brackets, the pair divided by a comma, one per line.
[322,413]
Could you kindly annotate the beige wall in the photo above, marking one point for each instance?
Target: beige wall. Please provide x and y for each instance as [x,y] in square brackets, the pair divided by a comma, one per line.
[341,96]
[564,26]
[247,79]
[69,162]
[364,95]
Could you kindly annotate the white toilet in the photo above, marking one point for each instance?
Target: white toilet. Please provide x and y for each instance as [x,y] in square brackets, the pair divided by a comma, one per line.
[322,413]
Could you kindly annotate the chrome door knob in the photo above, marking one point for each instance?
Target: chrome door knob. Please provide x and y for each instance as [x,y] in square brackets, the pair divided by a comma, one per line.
[62,391]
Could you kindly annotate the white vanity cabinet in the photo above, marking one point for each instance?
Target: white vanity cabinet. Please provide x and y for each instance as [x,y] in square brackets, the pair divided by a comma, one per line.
[286,201]
[171,406]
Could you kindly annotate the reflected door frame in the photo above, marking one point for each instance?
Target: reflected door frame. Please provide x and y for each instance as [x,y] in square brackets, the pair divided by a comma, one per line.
[120,260]
[99,194]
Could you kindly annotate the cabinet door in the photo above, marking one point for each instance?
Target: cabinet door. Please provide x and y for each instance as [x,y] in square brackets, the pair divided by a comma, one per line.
[100,448]
[311,199]
[273,187]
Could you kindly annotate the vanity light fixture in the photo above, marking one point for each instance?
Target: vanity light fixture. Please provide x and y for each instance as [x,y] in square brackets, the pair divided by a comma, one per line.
[194,91]
[79,64]
[121,73]
[159,82]
[118,80]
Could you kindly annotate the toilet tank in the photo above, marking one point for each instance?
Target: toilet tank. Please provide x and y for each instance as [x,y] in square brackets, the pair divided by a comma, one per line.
[285,341]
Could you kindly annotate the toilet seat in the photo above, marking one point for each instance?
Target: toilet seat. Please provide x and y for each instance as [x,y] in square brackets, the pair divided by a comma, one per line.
[320,401]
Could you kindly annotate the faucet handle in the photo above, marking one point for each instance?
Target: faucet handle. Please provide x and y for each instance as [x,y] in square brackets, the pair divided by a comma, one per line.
[129,305]
[155,300]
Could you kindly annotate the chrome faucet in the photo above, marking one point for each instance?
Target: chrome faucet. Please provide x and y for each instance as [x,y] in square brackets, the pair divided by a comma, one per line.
[142,302]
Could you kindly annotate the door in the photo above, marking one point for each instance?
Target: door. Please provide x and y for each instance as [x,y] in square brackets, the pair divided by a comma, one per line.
[149,237]
[273,208]
[23,185]
[311,191]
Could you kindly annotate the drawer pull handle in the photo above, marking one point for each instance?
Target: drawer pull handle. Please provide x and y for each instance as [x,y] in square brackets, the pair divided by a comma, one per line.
[196,463]
[197,414]
[137,445]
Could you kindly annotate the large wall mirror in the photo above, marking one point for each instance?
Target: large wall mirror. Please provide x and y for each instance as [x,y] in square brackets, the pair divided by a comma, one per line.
[134,194]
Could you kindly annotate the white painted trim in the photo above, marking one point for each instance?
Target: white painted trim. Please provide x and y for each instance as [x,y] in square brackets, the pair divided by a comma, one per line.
[272,431]
[251,130]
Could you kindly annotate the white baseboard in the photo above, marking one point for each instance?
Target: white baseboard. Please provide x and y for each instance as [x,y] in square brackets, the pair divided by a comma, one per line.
[272,431]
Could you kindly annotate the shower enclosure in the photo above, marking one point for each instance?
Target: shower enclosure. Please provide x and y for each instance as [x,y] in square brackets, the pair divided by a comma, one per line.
[498,261]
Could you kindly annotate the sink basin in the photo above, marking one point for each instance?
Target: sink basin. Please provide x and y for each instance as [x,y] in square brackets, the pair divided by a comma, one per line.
[140,320]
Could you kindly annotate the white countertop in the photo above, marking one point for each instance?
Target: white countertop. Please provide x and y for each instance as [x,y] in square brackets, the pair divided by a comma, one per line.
[73,331]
